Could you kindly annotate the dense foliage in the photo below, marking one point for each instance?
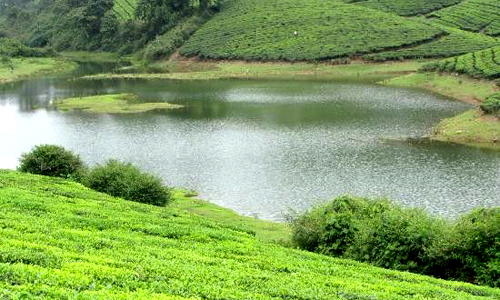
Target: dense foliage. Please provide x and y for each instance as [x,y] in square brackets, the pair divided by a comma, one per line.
[124,26]
[405,7]
[457,42]
[12,48]
[129,182]
[302,30]
[59,240]
[473,15]
[387,235]
[491,105]
[481,64]
[52,160]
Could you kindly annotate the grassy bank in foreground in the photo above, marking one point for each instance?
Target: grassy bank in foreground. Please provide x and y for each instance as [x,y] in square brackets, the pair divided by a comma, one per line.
[470,128]
[22,68]
[61,240]
[112,104]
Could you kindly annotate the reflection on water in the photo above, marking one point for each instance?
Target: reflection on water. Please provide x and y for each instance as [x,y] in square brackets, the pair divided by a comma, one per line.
[262,147]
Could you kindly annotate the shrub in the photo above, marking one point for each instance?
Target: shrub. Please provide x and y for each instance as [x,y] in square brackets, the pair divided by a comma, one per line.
[492,104]
[472,251]
[397,239]
[52,160]
[129,182]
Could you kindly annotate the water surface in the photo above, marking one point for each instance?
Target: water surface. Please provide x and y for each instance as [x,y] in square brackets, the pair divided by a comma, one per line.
[264,147]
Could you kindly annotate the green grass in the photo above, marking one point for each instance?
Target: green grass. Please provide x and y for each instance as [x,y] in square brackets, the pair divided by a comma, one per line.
[59,240]
[112,104]
[472,15]
[265,30]
[470,128]
[481,64]
[200,70]
[93,57]
[125,9]
[457,42]
[458,87]
[406,7]
[28,67]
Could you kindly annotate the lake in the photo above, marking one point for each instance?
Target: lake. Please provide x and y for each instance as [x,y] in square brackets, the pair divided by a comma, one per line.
[264,148]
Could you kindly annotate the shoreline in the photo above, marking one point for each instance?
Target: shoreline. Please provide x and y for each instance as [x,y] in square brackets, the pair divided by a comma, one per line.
[26,68]
[403,74]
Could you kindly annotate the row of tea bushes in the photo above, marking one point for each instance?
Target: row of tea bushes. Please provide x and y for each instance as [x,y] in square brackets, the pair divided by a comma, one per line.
[405,7]
[457,42]
[481,64]
[302,30]
[472,15]
[60,240]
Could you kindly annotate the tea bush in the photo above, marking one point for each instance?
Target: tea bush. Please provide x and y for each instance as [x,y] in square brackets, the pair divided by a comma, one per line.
[129,182]
[59,240]
[52,160]
[492,104]
[405,7]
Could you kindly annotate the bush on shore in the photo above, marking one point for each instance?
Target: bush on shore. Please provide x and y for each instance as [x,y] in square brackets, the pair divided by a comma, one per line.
[129,182]
[386,235]
[491,105]
[52,160]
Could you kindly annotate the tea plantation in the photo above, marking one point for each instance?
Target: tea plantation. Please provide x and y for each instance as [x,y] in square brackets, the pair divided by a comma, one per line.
[456,43]
[473,15]
[405,7]
[303,30]
[125,9]
[59,240]
[481,64]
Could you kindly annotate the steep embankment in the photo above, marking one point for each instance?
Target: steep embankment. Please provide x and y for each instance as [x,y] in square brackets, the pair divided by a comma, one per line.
[60,240]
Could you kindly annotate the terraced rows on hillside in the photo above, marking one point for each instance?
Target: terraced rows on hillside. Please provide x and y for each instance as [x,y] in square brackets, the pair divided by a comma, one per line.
[472,15]
[406,7]
[125,9]
[482,64]
[60,240]
[302,30]
[456,43]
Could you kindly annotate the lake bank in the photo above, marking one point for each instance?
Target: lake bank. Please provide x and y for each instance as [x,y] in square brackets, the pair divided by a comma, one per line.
[23,68]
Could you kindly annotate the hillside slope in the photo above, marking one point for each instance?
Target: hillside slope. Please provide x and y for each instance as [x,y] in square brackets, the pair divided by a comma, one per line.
[481,64]
[472,15]
[59,240]
[302,30]
[405,7]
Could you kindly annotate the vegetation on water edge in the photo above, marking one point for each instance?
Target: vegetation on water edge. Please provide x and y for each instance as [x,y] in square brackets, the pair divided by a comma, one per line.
[10,48]
[52,160]
[461,87]
[21,68]
[472,15]
[61,240]
[387,235]
[113,104]
[481,64]
[207,70]
[470,128]
[128,182]
[492,104]
[302,30]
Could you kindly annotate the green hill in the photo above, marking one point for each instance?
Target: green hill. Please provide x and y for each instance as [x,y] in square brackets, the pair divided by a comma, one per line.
[303,30]
[482,64]
[59,240]
[405,7]
[472,15]
[456,43]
